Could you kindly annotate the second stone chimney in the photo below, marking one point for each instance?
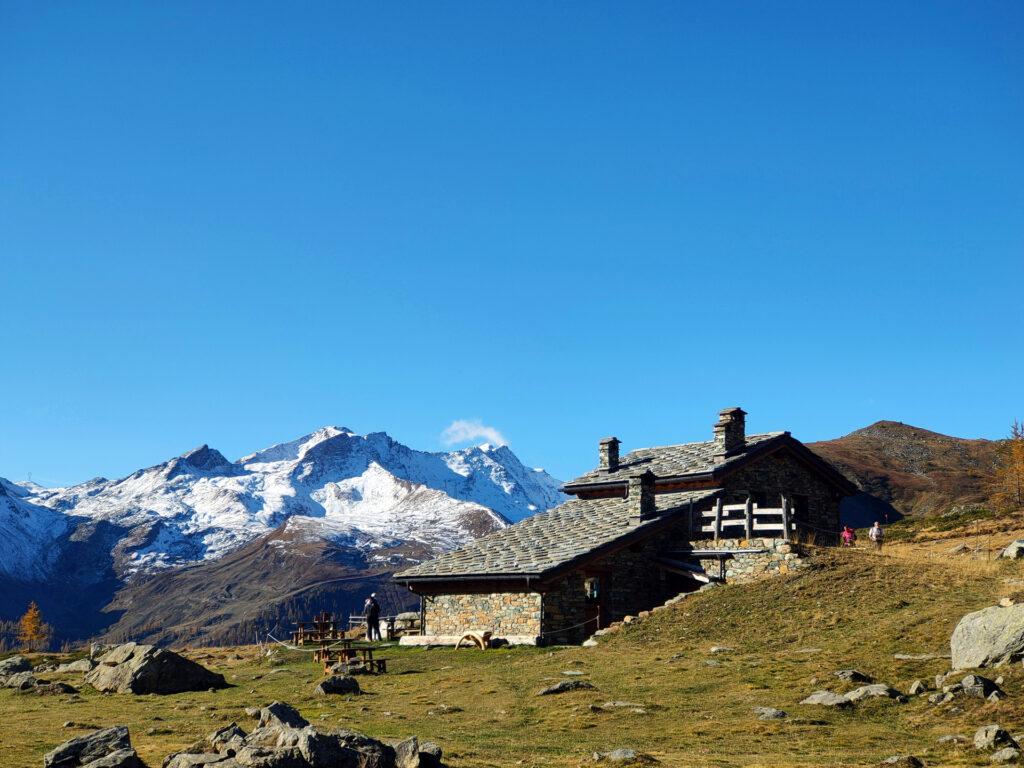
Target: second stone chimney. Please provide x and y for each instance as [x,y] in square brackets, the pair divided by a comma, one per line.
[608,451]
[730,432]
[641,496]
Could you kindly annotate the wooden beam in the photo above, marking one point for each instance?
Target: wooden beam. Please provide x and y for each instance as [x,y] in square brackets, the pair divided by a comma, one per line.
[785,517]
[749,517]
[718,518]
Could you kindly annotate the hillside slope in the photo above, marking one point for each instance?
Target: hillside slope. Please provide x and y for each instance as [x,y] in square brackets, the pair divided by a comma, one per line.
[670,695]
[917,471]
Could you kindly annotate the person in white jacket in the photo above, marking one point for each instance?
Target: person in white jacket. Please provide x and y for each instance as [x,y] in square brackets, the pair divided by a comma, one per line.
[876,536]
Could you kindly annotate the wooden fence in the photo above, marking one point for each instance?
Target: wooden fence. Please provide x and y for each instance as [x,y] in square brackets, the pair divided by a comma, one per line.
[746,520]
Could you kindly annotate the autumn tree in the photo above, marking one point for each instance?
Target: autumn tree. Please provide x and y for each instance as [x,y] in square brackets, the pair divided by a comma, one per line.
[1009,485]
[33,633]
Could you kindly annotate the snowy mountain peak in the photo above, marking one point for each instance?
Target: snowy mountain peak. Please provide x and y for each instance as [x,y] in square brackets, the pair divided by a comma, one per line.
[368,491]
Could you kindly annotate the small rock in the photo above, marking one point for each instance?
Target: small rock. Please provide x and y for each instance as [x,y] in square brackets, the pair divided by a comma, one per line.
[952,738]
[903,761]
[564,686]
[573,672]
[769,713]
[853,676]
[624,757]
[917,688]
[878,690]
[720,649]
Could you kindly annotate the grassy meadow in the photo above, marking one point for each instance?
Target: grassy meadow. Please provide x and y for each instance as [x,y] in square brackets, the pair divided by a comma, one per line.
[686,705]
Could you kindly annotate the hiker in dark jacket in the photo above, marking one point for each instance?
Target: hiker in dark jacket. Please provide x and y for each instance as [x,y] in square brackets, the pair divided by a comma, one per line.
[371,609]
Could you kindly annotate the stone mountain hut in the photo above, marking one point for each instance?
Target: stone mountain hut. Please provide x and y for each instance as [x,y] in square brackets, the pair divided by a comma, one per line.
[643,528]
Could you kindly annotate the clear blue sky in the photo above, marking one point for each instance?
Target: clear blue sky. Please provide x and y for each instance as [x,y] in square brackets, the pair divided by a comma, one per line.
[233,223]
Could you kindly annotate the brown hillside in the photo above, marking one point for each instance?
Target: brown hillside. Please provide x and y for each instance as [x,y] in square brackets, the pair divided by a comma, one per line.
[917,471]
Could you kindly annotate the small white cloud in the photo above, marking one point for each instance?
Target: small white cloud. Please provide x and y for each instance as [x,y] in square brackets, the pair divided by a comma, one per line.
[471,430]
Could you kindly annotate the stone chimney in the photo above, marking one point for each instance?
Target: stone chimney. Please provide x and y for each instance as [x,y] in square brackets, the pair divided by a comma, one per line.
[730,432]
[641,496]
[608,451]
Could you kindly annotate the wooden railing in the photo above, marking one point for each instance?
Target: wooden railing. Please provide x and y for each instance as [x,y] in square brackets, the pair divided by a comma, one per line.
[749,520]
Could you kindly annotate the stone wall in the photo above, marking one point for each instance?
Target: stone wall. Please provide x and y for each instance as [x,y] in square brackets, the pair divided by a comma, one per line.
[630,582]
[780,474]
[780,558]
[504,613]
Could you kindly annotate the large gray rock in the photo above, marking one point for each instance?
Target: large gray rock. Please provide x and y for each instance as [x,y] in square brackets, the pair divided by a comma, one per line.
[828,699]
[1005,755]
[993,737]
[20,681]
[988,637]
[81,665]
[338,684]
[979,687]
[281,715]
[14,664]
[108,748]
[853,676]
[132,668]
[1015,550]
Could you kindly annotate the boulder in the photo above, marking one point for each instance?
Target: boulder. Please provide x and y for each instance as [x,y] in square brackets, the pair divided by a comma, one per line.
[988,637]
[81,665]
[132,668]
[108,748]
[14,664]
[993,737]
[20,681]
[769,713]
[853,676]
[1015,550]
[828,699]
[226,736]
[979,687]
[338,684]
[564,686]
[1005,755]
[281,715]
[877,690]
[407,753]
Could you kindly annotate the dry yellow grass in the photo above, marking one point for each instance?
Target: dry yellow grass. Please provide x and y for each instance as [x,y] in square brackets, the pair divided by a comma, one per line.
[853,609]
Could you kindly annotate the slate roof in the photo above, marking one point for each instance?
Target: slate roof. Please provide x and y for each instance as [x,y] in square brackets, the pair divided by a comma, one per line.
[551,539]
[673,460]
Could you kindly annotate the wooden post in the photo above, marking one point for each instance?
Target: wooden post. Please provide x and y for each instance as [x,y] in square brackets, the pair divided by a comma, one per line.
[785,517]
[750,518]
[718,518]
[689,529]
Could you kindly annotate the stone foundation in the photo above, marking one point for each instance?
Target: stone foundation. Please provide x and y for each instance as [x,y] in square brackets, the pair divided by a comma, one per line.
[779,557]
[505,614]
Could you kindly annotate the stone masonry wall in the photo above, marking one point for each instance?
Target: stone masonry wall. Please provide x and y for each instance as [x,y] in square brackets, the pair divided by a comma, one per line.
[630,580]
[780,558]
[504,613]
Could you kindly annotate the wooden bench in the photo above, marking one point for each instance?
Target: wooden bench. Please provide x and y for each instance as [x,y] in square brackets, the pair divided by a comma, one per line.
[480,638]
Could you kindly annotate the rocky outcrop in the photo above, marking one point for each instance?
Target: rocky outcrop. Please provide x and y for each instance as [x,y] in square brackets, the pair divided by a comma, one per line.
[285,739]
[988,637]
[564,686]
[827,699]
[13,665]
[993,737]
[132,668]
[108,748]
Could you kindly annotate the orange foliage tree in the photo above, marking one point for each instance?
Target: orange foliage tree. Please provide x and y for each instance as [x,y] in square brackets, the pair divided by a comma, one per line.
[33,633]
[1009,486]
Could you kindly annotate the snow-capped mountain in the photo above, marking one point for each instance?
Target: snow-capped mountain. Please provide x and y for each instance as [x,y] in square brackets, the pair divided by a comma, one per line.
[365,491]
